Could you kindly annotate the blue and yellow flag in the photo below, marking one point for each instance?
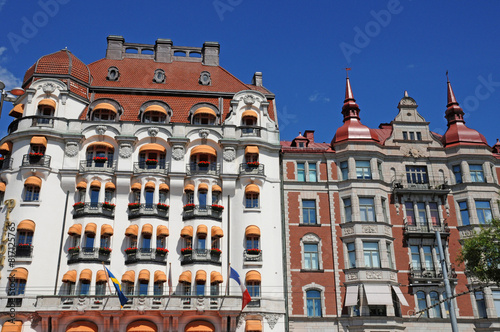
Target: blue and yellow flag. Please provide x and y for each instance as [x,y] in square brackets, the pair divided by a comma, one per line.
[118,288]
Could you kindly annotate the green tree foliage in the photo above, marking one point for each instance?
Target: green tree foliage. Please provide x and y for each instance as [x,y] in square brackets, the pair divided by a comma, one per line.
[481,253]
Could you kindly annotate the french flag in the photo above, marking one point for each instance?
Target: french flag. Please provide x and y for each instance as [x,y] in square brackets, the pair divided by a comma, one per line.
[246,296]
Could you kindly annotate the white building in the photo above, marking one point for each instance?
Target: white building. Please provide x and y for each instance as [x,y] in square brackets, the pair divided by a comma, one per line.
[117,162]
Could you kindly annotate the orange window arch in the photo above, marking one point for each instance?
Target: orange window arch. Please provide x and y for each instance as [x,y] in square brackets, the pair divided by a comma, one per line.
[199,326]
[81,326]
[142,326]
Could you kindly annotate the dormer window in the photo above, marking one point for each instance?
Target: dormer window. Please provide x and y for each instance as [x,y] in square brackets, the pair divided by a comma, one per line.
[113,74]
[159,76]
[249,118]
[204,116]
[46,108]
[154,114]
[104,112]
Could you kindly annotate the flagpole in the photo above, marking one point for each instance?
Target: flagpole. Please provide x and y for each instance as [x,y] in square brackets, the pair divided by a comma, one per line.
[170,280]
[107,278]
[228,274]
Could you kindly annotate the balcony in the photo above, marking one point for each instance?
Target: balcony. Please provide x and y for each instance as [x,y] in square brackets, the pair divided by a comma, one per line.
[202,211]
[147,210]
[160,167]
[196,169]
[250,131]
[143,255]
[97,166]
[246,169]
[409,183]
[24,250]
[33,160]
[200,255]
[6,163]
[88,254]
[430,276]
[425,230]
[252,255]
[93,209]
[42,121]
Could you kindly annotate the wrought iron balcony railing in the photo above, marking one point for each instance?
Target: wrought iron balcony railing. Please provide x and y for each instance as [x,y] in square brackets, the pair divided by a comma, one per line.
[146,255]
[148,210]
[202,211]
[161,167]
[246,169]
[88,254]
[252,256]
[97,166]
[6,163]
[94,209]
[24,250]
[431,274]
[210,169]
[31,160]
[250,131]
[200,255]
[420,182]
[425,229]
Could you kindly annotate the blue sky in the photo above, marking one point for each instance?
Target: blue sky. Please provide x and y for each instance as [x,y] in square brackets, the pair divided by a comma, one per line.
[302,48]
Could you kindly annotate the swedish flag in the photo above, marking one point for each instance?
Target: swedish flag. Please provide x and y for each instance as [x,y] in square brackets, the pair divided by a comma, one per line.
[118,288]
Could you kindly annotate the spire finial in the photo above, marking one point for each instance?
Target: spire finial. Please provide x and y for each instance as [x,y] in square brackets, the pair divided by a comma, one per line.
[406,93]
[348,90]
[347,72]
[447,78]
[451,94]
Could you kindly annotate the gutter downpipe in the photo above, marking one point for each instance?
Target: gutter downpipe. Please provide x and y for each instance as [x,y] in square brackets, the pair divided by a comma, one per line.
[283,241]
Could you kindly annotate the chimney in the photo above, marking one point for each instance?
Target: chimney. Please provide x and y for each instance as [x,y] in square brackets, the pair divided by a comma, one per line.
[115,47]
[309,134]
[163,50]
[257,79]
[210,53]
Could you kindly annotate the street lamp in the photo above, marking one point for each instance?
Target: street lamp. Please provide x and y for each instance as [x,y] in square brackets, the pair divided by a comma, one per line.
[5,97]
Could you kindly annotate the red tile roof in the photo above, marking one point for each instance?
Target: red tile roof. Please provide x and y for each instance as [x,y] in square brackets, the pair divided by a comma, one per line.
[313,147]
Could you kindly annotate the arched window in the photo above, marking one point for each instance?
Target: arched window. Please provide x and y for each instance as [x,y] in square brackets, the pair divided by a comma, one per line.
[202,196]
[253,280]
[154,114]
[81,188]
[106,233]
[249,118]
[147,232]
[136,193]
[143,282]
[132,231]
[149,190]
[69,280]
[82,326]
[201,233]
[215,281]
[46,108]
[252,245]
[311,258]
[203,158]
[422,303]
[95,188]
[436,310]
[85,278]
[100,283]
[104,112]
[128,279]
[199,326]
[20,276]
[163,193]
[25,231]
[187,235]
[189,190]
[109,192]
[204,116]
[161,235]
[32,189]
[100,154]
[152,156]
[185,280]
[38,145]
[252,192]
[216,194]
[201,279]
[217,233]
[159,282]
[313,303]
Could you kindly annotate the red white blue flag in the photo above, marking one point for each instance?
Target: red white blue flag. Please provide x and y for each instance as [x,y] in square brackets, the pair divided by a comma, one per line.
[246,295]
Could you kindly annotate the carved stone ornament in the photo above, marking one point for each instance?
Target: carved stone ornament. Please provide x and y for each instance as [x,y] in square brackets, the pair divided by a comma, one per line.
[249,99]
[241,320]
[229,154]
[272,319]
[466,233]
[153,131]
[393,276]
[159,76]
[373,275]
[369,229]
[101,130]
[352,276]
[409,151]
[178,152]
[204,133]
[35,319]
[388,231]
[205,78]
[408,101]
[125,150]
[48,88]
[348,230]
[310,238]
[71,149]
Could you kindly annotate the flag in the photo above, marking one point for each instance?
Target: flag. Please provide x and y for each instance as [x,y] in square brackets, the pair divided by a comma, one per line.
[246,295]
[118,288]
[170,280]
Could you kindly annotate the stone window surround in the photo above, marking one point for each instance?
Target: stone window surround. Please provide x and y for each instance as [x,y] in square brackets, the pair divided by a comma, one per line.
[311,238]
[378,200]
[427,290]
[313,286]
[382,252]
[312,196]
[306,170]
[471,207]
[489,172]
[426,199]
[375,165]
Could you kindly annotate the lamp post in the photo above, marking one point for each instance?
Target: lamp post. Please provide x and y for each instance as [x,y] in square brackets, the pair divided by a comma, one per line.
[4,95]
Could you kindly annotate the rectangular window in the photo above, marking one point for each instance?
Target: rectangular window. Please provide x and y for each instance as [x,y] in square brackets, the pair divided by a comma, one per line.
[143,288]
[464,213]
[253,288]
[347,210]
[363,170]
[351,254]
[89,241]
[457,171]
[483,210]
[301,172]
[496,300]
[422,303]
[419,136]
[94,198]
[149,199]
[200,289]
[252,242]
[481,304]
[100,288]
[412,135]
[251,200]
[384,210]
[380,174]
[410,214]
[344,169]
[389,254]
[476,173]
[32,194]
[311,257]
[187,289]
[434,214]
[201,243]
[158,288]
[416,174]
[313,303]
[146,242]
[309,211]
[422,214]
[105,241]
[214,289]
[428,260]
[367,209]
[405,135]
[415,258]
[202,200]
[312,173]
[371,254]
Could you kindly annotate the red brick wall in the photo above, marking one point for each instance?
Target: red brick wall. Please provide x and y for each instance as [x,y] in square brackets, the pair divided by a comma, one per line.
[293,207]
[334,171]
[290,170]
[498,173]
[323,176]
